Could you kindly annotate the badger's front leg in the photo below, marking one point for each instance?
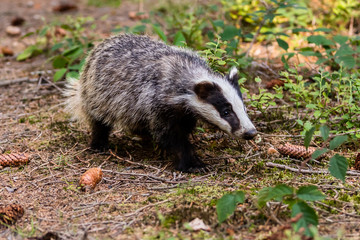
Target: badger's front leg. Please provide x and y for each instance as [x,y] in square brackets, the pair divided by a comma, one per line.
[185,157]
[174,138]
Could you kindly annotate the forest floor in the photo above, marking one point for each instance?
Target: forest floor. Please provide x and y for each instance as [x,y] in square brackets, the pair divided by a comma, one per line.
[141,196]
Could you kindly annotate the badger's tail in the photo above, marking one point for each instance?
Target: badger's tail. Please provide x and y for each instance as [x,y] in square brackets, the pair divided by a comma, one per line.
[73,103]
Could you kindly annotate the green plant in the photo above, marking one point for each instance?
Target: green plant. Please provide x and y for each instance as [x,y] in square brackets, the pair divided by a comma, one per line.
[226,205]
[217,57]
[338,164]
[265,99]
[329,98]
[65,43]
[112,3]
[296,200]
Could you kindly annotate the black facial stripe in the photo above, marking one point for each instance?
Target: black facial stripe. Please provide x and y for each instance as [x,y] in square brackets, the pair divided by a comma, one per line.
[217,99]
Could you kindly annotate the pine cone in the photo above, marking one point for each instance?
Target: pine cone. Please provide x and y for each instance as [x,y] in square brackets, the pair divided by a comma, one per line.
[91,178]
[296,151]
[10,214]
[357,162]
[13,159]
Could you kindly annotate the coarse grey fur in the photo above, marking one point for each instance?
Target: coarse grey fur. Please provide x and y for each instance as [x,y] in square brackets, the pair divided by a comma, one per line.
[147,87]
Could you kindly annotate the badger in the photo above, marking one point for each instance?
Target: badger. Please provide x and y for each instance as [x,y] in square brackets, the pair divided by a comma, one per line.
[147,87]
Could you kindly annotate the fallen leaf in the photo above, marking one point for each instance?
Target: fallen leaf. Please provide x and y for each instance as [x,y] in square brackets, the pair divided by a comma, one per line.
[198,224]
[7,51]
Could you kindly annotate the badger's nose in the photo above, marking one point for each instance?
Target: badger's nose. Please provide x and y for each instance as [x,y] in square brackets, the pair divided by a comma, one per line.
[250,134]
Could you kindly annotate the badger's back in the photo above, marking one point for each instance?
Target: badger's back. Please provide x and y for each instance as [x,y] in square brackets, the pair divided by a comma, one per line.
[128,79]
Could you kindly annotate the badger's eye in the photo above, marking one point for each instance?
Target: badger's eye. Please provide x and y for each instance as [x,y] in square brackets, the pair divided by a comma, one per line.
[226,112]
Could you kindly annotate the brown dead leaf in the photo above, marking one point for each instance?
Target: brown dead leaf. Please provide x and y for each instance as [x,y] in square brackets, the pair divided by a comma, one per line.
[65,7]
[274,83]
[17,21]
[133,15]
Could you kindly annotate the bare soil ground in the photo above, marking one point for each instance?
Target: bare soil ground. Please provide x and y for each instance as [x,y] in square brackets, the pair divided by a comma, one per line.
[141,196]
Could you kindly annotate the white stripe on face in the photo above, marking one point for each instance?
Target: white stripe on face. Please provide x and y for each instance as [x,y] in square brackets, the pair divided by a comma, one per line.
[209,112]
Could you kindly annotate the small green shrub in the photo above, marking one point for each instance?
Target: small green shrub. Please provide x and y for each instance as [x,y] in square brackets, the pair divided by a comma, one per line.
[66,53]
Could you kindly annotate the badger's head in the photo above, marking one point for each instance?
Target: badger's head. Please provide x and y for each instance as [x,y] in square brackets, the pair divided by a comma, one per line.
[220,102]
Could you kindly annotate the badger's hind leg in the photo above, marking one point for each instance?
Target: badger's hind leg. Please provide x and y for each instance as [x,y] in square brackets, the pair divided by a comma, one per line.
[100,135]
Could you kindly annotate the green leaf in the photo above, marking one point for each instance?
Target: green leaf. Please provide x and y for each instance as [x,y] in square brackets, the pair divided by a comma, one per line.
[308,136]
[297,30]
[218,23]
[59,62]
[340,39]
[310,53]
[277,193]
[282,44]
[27,35]
[221,62]
[227,204]
[72,74]
[318,153]
[324,130]
[138,29]
[29,52]
[281,191]
[310,193]
[337,141]
[264,196]
[308,217]
[348,61]
[230,32]
[56,46]
[160,33]
[344,50]
[76,67]
[59,74]
[317,113]
[319,40]
[71,51]
[66,27]
[338,166]
[323,30]
[179,39]
[43,31]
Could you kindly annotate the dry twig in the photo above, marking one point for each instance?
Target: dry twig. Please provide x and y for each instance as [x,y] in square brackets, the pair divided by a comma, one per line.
[271,164]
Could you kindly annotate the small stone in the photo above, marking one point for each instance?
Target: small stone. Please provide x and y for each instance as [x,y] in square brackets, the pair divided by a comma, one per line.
[10,190]
[13,31]
[30,4]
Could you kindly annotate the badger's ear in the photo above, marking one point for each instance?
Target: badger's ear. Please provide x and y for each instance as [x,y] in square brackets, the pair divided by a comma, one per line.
[204,89]
[233,76]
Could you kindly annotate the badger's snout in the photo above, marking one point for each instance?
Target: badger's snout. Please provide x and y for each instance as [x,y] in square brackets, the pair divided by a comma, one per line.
[249,134]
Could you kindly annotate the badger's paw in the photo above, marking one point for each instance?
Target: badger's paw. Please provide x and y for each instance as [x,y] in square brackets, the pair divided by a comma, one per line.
[193,166]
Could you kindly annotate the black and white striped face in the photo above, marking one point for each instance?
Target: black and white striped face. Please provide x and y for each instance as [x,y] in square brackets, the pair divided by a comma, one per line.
[220,102]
